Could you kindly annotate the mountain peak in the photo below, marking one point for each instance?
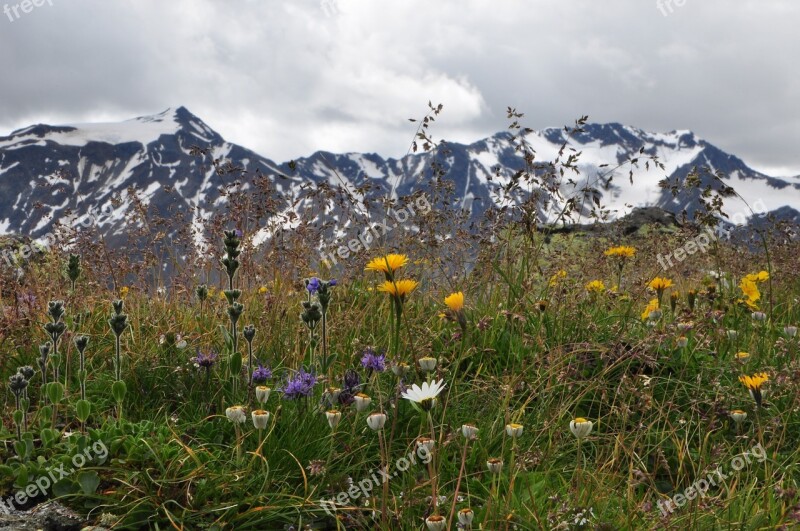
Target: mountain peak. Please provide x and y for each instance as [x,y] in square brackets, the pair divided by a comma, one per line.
[181,119]
[143,130]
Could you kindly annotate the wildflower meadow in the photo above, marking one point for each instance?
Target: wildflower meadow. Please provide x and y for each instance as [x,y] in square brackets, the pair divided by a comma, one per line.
[510,377]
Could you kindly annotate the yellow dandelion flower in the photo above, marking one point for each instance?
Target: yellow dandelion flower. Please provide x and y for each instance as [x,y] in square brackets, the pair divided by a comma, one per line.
[455,301]
[753,384]
[750,304]
[652,306]
[387,264]
[123,292]
[556,278]
[262,289]
[755,381]
[595,286]
[761,276]
[660,284]
[400,288]
[750,290]
[622,251]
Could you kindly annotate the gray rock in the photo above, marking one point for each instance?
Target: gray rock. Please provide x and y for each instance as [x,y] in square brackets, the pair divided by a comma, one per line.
[50,516]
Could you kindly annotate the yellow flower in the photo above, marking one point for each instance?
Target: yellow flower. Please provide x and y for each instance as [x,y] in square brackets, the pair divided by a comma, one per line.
[659,284]
[754,383]
[387,264]
[262,289]
[622,251]
[742,356]
[749,288]
[555,279]
[123,291]
[455,301]
[651,307]
[749,303]
[401,288]
[761,276]
[595,286]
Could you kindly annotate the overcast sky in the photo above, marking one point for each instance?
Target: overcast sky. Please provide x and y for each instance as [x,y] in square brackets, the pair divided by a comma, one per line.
[286,78]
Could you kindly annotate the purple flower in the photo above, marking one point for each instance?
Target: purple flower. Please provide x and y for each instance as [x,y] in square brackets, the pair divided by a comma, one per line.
[352,381]
[332,282]
[299,385]
[373,361]
[27,298]
[351,385]
[313,285]
[205,361]
[239,233]
[262,374]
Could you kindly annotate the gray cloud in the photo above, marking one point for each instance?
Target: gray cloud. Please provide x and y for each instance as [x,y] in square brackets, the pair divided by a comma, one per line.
[286,78]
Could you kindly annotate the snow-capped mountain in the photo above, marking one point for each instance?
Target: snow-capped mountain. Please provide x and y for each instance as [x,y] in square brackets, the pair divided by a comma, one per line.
[176,164]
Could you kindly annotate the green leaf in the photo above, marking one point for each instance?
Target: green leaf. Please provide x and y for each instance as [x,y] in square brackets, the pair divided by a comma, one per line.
[89,481]
[47,436]
[227,337]
[65,487]
[22,477]
[235,362]
[55,392]
[84,409]
[119,390]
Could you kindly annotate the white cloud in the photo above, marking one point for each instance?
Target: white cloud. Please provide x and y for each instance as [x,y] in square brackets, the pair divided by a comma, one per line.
[289,77]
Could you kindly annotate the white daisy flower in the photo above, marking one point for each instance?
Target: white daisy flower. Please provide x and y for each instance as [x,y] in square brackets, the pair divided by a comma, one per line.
[260,418]
[236,414]
[580,427]
[426,395]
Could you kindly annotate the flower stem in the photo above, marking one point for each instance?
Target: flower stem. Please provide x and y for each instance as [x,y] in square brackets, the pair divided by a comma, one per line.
[458,482]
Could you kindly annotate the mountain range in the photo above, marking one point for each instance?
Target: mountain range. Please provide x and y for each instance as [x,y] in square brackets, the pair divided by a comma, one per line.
[85,173]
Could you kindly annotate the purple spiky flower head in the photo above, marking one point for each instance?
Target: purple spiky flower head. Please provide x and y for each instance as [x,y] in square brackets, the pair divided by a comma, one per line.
[373,361]
[261,375]
[204,360]
[301,384]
